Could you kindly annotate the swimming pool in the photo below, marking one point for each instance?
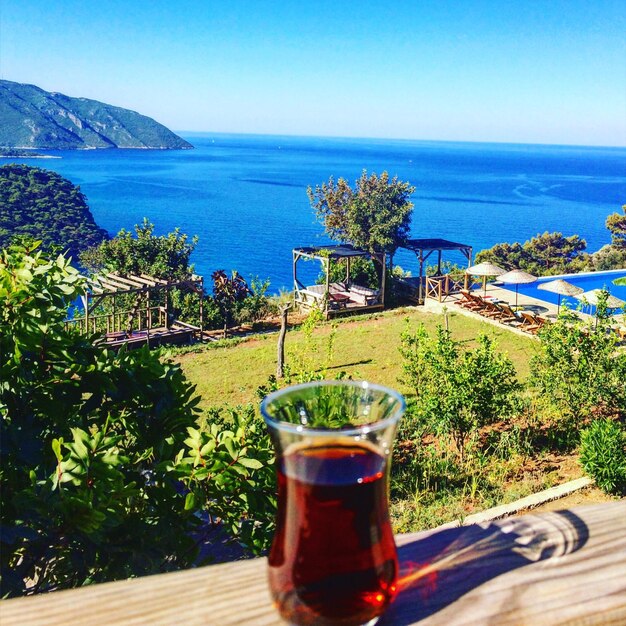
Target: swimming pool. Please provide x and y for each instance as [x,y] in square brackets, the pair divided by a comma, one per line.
[586,281]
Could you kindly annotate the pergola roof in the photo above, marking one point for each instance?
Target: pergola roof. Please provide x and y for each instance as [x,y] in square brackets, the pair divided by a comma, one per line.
[434,244]
[114,283]
[334,251]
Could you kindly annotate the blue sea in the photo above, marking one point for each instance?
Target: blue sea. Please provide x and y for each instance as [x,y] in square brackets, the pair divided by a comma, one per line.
[245,195]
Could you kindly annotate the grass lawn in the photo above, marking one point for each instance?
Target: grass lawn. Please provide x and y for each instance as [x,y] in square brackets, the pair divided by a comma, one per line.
[367,348]
[364,347]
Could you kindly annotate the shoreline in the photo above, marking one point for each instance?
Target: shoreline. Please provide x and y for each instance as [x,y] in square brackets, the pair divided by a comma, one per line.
[34,156]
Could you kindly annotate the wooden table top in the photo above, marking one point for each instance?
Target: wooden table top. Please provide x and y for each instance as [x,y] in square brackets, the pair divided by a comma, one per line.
[564,567]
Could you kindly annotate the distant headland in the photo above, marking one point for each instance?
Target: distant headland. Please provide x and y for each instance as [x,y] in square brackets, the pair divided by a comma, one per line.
[23,153]
[31,118]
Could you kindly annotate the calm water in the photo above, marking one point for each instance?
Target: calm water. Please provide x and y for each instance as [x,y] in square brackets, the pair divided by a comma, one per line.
[245,196]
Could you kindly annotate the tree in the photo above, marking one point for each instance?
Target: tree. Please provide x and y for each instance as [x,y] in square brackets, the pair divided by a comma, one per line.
[543,255]
[142,252]
[374,216]
[506,255]
[167,256]
[616,224]
[40,204]
[227,292]
[609,257]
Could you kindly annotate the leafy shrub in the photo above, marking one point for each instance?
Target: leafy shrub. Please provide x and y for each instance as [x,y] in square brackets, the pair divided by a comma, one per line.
[167,256]
[213,318]
[578,372]
[104,471]
[257,305]
[362,272]
[458,390]
[227,467]
[85,433]
[603,454]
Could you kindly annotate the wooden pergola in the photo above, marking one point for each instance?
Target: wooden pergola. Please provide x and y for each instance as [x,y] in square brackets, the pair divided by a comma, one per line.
[144,322]
[336,298]
[417,288]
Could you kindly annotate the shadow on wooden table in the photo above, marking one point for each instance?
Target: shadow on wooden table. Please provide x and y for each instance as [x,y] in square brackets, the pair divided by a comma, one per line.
[438,570]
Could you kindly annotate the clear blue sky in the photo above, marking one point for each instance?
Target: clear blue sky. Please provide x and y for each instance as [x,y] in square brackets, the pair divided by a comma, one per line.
[536,71]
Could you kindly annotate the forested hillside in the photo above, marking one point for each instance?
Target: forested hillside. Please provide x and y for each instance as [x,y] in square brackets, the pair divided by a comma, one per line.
[43,205]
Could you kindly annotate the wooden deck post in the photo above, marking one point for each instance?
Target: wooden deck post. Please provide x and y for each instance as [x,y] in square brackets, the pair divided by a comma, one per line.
[383,279]
[201,304]
[327,296]
[420,292]
[85,300]
[280,361]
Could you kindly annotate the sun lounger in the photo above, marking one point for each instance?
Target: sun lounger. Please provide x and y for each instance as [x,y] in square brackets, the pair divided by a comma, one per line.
[467,300]
[473,302]
[508,314]
[491,311]
[532,323]
[529,322]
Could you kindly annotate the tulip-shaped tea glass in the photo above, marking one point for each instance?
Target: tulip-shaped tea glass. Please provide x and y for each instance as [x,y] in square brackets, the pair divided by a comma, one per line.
[333,559]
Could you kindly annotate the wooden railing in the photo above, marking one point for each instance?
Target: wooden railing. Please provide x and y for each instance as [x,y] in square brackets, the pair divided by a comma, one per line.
[564,567]
[106,323]
[440,287]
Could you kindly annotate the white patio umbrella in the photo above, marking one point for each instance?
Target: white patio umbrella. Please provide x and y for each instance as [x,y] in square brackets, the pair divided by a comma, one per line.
[517,278]
[483,269]
[561,287]
[591,297]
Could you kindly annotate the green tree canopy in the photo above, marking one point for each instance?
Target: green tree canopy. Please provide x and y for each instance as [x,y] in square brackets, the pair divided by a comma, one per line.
[42,205]
[543,255]
[616,224]
[166,257]
[375,215]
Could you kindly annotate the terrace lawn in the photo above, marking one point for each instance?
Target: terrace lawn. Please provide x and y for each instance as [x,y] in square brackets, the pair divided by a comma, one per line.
[364,347]
[367,348]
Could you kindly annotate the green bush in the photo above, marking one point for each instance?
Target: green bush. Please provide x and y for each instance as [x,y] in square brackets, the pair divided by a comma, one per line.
[85,435]
[603,454]
[103,469]
[228,469]
[257,306]
[578,372]
[458,390]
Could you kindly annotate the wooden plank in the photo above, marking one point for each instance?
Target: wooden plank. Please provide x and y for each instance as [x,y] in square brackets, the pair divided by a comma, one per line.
[158,281]
[127,280]
[118,286]
[144,279]
[551,568]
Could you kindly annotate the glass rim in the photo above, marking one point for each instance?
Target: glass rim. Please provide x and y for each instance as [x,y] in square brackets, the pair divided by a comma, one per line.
[333,432]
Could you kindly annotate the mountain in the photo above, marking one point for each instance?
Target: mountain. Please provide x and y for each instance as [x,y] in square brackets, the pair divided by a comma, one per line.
[33,118]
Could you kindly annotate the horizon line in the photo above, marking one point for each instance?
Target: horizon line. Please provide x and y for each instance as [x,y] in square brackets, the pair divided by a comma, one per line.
[399,139]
